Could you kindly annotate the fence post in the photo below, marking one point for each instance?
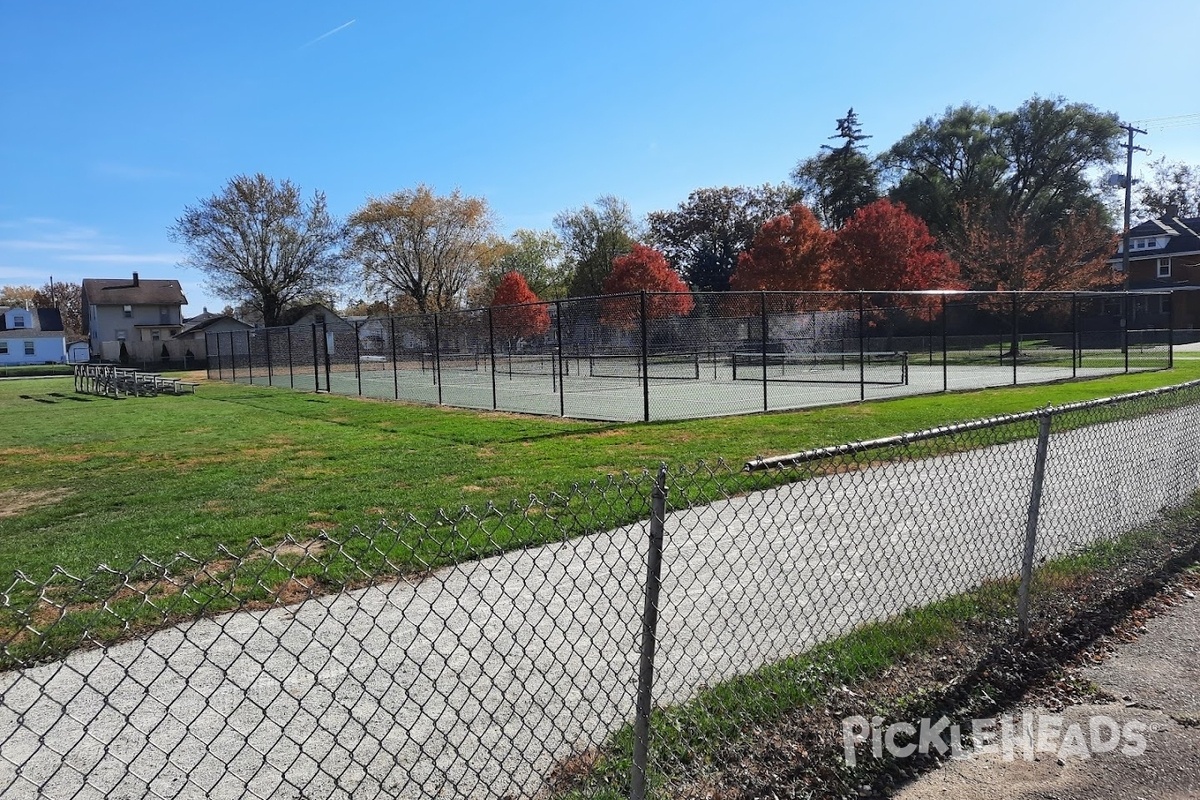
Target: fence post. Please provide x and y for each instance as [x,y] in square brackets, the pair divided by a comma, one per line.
[291,370]
[395,367]
[1016,337]
[492,354]
[1125,331]
[1076,353]
[862,348]
[641,723]
[249,357]
[357,358]
[316,364]
[270,370]
[1170,329]
[645,359]
[325,338]
[1031,523]
[764,332]
[437,357]
[558,355]
[216,337]
[945,349]
[232,357]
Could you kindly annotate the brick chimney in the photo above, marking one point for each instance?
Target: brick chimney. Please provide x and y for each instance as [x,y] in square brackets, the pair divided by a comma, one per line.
[135,279]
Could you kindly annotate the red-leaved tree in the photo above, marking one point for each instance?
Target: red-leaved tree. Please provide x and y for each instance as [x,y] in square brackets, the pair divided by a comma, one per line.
[516,312]
[790,254]
[883,248]
[645,269]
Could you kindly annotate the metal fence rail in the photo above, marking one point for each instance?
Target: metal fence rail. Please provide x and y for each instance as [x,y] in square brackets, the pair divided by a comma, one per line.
[598,643]
[676,356]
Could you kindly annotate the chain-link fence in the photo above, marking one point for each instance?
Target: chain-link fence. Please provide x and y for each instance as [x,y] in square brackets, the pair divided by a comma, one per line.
[678,356]
[622,638]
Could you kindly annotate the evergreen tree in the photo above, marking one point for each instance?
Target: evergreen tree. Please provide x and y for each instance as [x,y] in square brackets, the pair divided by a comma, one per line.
[839,180]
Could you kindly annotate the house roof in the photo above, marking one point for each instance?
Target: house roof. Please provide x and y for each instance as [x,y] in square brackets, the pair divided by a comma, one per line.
[44,320]
[49,319]
[1183,236]
[297,313]
[205,320]
[136,292]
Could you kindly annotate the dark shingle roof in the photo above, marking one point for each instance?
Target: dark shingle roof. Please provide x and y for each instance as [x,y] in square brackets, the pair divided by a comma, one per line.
[1183,235]
[122,291]
[49,319]
[202,321]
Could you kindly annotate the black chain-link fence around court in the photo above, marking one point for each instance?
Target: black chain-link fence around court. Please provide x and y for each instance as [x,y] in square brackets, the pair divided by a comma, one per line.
[678,356]
[613,640]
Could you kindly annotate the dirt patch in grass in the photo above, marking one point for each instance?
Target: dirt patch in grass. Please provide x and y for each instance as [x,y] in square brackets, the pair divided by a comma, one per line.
[15,502]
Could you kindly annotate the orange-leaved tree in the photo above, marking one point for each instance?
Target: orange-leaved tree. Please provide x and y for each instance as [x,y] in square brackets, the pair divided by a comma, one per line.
[645,269]
[790,253]
[516,310]
[883,248]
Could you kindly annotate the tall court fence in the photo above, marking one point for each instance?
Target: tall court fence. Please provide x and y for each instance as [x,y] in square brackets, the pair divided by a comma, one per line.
[653,356]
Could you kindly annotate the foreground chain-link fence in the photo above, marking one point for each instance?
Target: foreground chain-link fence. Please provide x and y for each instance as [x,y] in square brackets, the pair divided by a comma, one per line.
[614,640]
[679,356]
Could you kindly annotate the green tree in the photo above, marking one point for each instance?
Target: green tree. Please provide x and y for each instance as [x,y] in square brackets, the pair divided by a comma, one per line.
[538,257]
[259,243]
[839,180]
[704,236]
[1032,163]
[1173,186]
[592,237]
[429,247]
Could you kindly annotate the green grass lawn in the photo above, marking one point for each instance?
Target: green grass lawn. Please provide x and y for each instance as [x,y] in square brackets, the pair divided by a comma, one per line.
[87,480]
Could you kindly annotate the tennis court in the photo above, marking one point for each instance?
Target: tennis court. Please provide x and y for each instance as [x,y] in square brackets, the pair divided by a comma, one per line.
[735,353]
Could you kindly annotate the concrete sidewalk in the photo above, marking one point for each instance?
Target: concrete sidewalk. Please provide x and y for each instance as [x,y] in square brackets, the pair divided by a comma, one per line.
[1146,686]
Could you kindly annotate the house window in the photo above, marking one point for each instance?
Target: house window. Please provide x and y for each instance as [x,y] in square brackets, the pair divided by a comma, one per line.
[18,320]
[28,348]
[1164,304]
[128,311]
[164,315]
[121,334]
[319,317]
[155,335]
[1164,268]
[3,348]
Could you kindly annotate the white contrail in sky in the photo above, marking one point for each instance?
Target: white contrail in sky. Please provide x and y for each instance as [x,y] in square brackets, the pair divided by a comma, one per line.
[330,33]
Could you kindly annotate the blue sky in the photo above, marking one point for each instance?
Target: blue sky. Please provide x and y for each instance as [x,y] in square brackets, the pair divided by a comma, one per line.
[118,115]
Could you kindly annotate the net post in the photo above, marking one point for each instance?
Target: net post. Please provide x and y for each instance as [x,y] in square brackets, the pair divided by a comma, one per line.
[645,359]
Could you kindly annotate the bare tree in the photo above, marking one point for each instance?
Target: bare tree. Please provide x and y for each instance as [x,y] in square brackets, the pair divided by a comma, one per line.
[427,247]
[260,244]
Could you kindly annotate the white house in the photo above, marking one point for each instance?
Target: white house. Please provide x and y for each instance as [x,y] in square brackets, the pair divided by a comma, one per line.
[31,336]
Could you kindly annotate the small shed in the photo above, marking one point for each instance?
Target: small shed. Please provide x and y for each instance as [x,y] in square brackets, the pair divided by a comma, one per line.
[78,352]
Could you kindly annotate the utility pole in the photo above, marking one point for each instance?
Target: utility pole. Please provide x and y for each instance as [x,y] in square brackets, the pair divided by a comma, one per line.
[1129,148]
